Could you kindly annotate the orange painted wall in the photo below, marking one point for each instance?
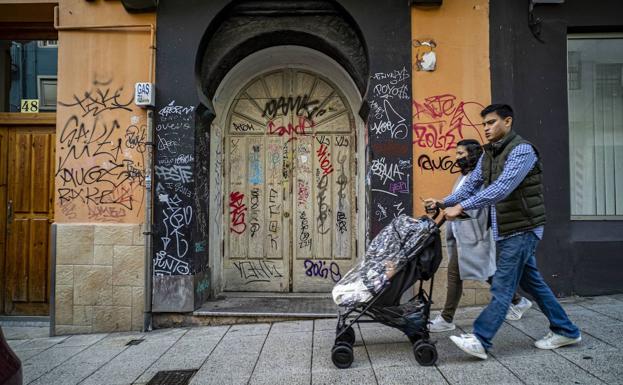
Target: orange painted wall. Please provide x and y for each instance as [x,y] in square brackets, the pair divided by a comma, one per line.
[101,134]
[447,102]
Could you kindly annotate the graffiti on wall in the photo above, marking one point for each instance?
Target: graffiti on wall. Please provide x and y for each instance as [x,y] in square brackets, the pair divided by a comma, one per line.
[389,173]
[322,269]
[439,123]
[258,271]
[174,190]
[100,172]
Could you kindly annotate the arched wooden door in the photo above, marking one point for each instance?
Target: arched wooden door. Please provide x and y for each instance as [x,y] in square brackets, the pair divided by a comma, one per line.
[290,204]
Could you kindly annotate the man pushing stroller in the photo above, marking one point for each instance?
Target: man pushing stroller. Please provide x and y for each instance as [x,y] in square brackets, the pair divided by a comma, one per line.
[510,171]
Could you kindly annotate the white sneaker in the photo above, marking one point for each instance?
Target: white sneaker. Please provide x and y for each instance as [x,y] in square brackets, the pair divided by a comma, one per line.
[440,325]
[516,311]
[470,345]
[554,341]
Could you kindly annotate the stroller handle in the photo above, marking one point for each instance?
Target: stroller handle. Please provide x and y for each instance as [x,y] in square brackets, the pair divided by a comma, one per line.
[436,214]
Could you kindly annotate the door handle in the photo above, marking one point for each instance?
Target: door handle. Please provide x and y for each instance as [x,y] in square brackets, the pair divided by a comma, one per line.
[9,212]
[9,215]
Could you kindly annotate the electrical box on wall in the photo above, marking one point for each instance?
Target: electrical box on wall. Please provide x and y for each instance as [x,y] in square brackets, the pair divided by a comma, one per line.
[144,95]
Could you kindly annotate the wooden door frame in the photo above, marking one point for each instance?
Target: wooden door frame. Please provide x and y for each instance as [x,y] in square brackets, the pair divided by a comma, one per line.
[235,80]
[9,121]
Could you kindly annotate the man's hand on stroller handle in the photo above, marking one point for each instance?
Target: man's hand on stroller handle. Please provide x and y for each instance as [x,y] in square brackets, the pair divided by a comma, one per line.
[431,204]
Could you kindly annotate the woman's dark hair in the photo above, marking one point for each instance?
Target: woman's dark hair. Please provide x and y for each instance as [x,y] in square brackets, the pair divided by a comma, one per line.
[474,151]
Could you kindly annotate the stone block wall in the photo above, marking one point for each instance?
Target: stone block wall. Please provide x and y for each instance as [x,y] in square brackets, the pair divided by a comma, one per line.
[99,278]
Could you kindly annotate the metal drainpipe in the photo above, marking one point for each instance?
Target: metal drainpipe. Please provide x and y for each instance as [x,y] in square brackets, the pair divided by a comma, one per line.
[147,316]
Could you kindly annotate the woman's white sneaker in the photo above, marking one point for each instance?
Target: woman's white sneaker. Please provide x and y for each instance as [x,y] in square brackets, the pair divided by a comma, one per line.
[515,312]
[470,345]
[440,325]
[554,341]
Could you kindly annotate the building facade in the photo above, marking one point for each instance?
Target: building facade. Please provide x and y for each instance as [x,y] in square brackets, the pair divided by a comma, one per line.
[285,135]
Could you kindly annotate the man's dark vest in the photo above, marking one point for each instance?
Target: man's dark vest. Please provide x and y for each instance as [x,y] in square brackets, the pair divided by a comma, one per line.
[524,208]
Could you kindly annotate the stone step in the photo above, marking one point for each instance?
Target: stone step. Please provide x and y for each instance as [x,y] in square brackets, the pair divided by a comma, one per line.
[236,308]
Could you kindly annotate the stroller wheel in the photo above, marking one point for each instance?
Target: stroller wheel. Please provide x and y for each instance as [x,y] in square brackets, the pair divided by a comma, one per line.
[425,353]
[347,336]
[342,356]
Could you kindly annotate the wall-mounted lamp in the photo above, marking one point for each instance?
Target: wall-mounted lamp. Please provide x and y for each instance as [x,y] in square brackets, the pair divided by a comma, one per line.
[431,3]
[535,23]
[139,6]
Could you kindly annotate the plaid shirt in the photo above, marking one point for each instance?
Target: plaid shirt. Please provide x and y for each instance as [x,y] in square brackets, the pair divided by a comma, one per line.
[518,164]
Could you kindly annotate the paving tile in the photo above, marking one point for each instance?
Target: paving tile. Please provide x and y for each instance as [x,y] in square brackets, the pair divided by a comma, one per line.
[477,372]
[46,361]
[603,364]
[548,369]
[618,297]
[600,300]
[206,331]
[406,374]
[292,327]
[351,376]
[15,343]
[280,378]
[613,310]
[389,355]
[188,353]
[250,330]
[25,332]
[232,361]
[284,356]
[40,343]
[133,361]
[605,328]
[82,340]
[86,362]
[325,324]
[28,353]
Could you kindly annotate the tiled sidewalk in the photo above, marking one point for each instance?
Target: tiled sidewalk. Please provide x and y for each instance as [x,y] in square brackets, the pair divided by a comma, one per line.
[300,353]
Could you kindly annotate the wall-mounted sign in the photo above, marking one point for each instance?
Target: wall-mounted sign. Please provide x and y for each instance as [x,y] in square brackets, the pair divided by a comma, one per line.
[144,94]
[29,105]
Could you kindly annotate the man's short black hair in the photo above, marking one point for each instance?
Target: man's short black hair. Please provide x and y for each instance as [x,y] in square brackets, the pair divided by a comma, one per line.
[503,110]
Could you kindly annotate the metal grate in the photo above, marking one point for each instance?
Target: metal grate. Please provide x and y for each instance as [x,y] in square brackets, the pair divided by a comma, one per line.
[134,342]
[172,377]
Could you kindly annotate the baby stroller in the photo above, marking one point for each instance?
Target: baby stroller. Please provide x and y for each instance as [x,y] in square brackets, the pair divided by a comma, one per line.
[404,252]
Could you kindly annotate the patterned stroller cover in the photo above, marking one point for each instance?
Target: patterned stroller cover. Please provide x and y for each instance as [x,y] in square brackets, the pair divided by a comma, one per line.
[396,245]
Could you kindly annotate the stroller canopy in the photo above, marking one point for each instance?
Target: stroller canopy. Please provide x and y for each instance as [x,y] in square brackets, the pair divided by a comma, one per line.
[399,243]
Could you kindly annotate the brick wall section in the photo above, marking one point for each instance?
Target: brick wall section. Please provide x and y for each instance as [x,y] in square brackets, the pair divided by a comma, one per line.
[474,292]
[99,278]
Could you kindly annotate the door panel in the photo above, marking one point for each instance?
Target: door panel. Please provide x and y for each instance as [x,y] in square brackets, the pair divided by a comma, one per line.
[290,175]
[30,158]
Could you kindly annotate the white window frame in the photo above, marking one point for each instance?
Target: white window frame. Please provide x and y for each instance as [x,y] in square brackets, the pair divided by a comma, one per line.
[580,36]
[42,105]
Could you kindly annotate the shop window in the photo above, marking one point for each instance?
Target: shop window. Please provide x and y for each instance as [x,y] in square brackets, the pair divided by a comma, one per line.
[595,84]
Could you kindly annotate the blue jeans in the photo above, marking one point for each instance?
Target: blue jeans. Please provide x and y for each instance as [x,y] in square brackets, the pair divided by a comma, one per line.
[516,265]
